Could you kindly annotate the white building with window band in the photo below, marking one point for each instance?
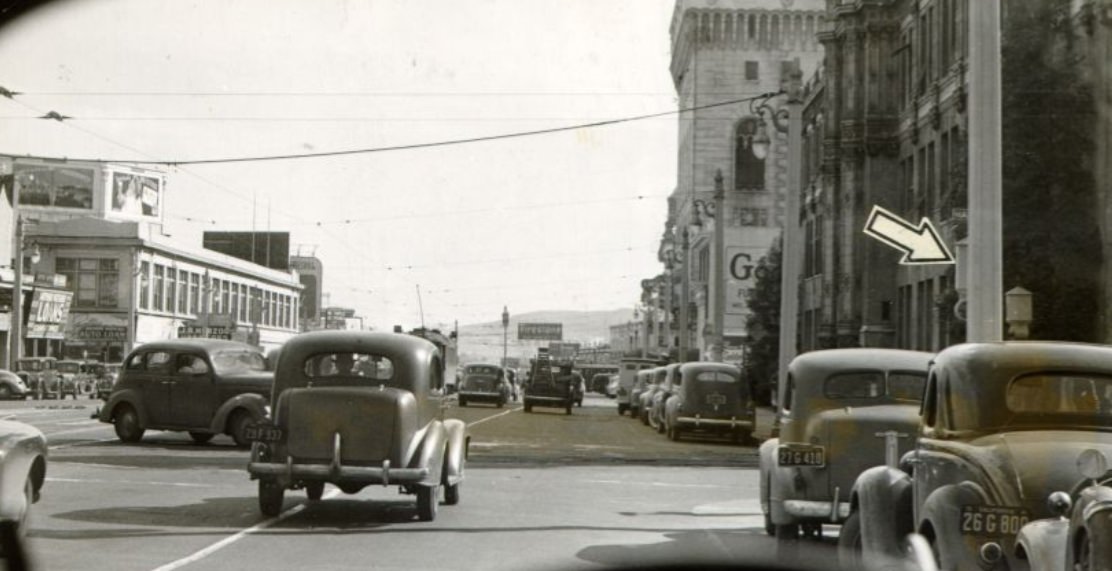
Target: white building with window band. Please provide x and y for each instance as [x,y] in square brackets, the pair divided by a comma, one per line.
[132,285]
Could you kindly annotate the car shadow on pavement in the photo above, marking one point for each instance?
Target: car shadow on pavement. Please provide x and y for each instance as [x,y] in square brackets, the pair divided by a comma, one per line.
[717,546]
[159,461]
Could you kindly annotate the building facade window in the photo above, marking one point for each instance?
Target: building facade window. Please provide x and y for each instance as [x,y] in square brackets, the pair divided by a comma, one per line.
[752,71]
[95,282]
[144,285]
[159,288]
[183,292]
[171,290]
[194,293]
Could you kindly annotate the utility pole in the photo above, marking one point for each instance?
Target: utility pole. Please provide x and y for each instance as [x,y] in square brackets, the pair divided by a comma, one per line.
[16,329]
[792,242]
[717,350]
[505,332]
[985,288]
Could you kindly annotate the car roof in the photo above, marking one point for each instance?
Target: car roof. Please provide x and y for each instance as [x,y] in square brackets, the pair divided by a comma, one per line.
[1011,358]
[817,365]
[407,352]
[692,367]
[197,343]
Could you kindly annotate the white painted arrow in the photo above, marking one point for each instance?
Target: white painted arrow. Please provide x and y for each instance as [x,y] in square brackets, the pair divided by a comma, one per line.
[920,245]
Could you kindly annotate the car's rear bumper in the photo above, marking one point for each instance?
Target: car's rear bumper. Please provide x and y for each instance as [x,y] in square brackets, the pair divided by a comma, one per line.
[715,423]
[548,401]
[487,397]
[810,509]
[384,474]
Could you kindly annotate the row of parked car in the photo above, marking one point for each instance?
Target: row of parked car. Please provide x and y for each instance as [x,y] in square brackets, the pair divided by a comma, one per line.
[50,378]
[692,398]
[995,456]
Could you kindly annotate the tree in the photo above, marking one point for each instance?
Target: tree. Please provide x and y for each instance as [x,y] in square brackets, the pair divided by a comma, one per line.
[1051,235]
[762,344]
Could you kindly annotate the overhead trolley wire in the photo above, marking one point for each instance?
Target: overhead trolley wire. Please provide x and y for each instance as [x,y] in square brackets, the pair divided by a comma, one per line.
[434,144]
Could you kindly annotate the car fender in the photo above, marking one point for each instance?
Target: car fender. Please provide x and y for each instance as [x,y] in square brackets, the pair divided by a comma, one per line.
[254,404]
[766,454]
[1042,544]
[777,480]
[940,518]
[456,454]
[21,451]
[430,453]
[127,396]
[1092,519]
[882,497]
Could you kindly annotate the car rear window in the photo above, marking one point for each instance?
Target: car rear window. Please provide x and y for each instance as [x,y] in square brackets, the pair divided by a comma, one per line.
[859,385]
[1060,394]
[69,367]
[481,370]
[906,385]
[237,361]
[715,377]
[349,365]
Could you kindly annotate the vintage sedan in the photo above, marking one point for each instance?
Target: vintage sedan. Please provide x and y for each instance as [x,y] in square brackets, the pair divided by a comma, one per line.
[709,398]
[71,375]
[39,375]
[641,382]
[201,386]
[664,390]
[1079,535]
[12,386]
[484,383]
[835,410]
[354,409]
[23,456]
[1002,427]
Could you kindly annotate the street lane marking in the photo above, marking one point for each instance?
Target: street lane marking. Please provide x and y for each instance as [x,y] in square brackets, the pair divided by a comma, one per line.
[482,420]
[75,444]
[75,431]
[199,555]
[133,482]
[657,484]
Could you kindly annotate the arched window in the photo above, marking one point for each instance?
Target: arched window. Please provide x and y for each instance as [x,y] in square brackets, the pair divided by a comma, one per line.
[749,171]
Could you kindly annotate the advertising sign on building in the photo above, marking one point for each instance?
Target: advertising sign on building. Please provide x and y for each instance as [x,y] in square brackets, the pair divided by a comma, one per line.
[135,194]
[741,276]
[54,185]
[563,350]
[201,331]
[540,331]
[49,310]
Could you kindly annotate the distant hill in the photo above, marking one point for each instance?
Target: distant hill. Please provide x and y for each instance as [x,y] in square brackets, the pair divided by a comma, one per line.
[483,341]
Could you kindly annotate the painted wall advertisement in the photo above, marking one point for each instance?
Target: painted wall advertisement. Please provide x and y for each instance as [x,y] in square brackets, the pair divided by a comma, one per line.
[48,314]
[741,276]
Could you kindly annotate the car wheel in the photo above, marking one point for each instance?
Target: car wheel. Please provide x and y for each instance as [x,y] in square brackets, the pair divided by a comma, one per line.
[427,499]
[201,437]
[451,494]
[5,392]
[1084,555]
[463,402]
[127,424]
[621,409]
[788,532]
[567,409]
[849,542]
[238,428]
[314,491]
[271,495]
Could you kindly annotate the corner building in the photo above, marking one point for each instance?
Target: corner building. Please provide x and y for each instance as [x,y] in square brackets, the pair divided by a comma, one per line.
[728,50]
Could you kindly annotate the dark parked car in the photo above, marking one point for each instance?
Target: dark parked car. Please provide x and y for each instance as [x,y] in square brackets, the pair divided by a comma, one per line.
[551,389]
[202,386]
[12,386]
[1002,428]
[708,398]
[104,378]
[484,383]
[354,409]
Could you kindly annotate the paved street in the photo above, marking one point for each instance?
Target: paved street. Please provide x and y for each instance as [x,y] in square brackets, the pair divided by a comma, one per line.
[543,490]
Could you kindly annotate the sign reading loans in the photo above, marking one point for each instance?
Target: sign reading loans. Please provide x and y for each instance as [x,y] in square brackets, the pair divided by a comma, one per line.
[920,245]
[540,331]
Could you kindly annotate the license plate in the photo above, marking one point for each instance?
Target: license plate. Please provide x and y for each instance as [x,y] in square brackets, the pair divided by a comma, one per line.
[993,520]
[263,433]
[801,455]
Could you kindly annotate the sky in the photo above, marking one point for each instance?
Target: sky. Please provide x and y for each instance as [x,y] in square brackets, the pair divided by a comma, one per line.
[564,221]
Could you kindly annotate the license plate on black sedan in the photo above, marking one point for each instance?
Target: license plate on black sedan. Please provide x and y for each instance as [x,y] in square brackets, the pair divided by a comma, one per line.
[801,455]
[993,520]
[263,433]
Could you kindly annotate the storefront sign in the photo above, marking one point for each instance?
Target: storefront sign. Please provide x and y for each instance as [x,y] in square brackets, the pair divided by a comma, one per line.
[49,310]
[101,333]
[200,331]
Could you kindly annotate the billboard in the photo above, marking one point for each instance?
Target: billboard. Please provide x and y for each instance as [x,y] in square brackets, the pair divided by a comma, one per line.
[136,194]
[310,272]
[540,331]
[54,186]
[48,314]
[270,249]
[563,350]
[741,276]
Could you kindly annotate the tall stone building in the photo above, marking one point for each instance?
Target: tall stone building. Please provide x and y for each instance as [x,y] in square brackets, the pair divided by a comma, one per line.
[729,51]
[884,125]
